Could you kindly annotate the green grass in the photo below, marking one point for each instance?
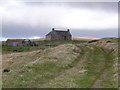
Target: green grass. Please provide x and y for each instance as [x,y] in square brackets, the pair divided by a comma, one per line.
[113,40]
[0,65]
[11,49]
[42,45]
[64,41]
[98,62]
[78,65]
[53,43]
[35,74]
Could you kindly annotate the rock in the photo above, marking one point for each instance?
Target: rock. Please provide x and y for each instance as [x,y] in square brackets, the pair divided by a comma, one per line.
[6,70]
[15,50]
[108,41]
[93,41]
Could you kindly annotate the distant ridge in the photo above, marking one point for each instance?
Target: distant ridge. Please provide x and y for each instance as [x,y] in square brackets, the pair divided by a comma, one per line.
[84,38]
[73,38]
[38,39]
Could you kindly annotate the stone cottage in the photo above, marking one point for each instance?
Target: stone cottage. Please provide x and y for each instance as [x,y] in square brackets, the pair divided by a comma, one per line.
[59,35]
[19,42]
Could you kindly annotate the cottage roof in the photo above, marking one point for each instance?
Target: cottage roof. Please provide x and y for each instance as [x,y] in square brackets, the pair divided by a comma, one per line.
[15,40]
[59,32]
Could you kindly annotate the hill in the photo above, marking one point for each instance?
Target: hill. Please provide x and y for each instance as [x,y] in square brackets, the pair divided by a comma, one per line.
[84,38]
[73,38]
[69,64]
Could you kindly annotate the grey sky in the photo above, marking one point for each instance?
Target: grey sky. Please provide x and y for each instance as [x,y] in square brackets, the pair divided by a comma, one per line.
[88,19]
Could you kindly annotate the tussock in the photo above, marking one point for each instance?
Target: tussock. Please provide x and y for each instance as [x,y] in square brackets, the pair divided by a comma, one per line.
[61,54]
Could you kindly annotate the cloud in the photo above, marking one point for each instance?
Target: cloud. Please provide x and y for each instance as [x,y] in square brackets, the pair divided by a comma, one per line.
[33,20]
[58,16]
[88,19]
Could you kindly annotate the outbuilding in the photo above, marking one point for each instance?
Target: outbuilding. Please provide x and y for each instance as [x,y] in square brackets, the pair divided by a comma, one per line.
[18,42]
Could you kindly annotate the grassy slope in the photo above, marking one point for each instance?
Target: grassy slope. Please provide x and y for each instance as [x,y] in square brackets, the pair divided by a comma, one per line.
[42,45]
[72,65]
[0,66]
[93,69]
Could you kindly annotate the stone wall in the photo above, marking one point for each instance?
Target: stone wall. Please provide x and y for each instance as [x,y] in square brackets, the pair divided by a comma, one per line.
[58,37]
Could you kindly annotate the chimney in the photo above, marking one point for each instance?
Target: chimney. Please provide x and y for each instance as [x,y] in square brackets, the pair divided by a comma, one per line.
[53,29]
[68,30]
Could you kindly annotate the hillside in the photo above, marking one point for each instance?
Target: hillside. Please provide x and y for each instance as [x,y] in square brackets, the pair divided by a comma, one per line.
[72,64]
[73,38]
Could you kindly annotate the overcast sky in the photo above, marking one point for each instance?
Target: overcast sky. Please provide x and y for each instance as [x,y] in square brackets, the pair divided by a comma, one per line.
[35,19]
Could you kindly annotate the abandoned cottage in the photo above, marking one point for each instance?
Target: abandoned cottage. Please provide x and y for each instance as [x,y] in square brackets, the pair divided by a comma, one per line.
[19,42]
[59,35]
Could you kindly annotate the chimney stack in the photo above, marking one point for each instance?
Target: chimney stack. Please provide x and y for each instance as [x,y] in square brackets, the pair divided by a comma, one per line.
[53,29]
[68,30]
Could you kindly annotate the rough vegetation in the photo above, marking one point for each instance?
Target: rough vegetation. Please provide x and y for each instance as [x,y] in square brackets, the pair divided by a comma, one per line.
[70,64]
[41,45]
[0,66]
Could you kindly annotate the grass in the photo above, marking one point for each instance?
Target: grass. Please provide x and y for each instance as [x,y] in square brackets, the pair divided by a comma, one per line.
[42,45]
[0,66]
[96,64]
[11,49]
[44,70]
[63,41]
[35,74]
[74,64]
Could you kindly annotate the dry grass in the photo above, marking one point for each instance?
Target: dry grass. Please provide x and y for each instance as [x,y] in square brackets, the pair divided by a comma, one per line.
[65,66]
